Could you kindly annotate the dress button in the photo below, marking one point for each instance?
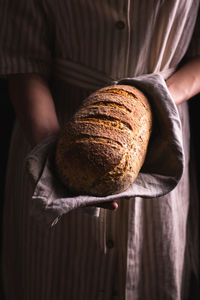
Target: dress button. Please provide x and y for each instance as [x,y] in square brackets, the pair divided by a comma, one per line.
[110,244]
[120,25]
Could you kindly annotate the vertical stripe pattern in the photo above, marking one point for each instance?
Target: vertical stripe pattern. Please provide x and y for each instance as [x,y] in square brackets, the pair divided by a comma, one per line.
[146,240]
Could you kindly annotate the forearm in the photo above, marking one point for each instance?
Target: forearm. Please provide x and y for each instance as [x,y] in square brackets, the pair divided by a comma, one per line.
[34,107]
[35,110]
[185,83]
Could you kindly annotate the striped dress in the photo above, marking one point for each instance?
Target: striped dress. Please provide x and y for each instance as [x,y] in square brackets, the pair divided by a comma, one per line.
[151,244]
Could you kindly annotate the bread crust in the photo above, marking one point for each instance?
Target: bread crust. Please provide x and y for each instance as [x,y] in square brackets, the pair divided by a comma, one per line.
[102,149]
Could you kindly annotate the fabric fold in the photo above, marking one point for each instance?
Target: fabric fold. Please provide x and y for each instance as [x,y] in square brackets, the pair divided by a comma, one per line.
[159,175]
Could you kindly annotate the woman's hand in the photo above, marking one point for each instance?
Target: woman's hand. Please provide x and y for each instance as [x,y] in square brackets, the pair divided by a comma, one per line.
[109,205]
[185,82]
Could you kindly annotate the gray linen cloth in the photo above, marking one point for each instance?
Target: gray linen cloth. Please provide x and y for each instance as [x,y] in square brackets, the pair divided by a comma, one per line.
[160,173]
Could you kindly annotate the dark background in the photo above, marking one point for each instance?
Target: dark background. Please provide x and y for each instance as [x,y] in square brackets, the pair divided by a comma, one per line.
[6,123]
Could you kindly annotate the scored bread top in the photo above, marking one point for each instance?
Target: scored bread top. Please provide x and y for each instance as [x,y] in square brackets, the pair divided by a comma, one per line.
[102,148]
[124,96]
[105,130]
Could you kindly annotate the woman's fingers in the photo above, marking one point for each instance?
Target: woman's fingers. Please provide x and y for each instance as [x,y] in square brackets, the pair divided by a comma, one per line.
[109,205]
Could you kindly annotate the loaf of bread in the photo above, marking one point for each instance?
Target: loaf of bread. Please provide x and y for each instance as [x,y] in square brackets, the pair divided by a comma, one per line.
[102,148]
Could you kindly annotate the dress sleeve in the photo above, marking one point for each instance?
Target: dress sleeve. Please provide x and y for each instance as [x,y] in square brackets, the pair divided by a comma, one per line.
[194,47]
[24,38]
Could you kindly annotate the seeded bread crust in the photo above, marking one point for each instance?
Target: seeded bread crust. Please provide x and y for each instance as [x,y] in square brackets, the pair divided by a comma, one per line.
[102,148]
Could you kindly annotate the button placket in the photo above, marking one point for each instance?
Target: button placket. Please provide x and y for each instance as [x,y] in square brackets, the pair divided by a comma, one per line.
[122,12]
[123,25]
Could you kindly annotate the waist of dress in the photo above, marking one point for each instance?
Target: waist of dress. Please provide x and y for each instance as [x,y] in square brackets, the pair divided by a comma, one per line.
[88,78]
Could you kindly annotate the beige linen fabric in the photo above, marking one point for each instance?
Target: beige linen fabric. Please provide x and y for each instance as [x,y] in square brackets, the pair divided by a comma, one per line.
[151,243]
